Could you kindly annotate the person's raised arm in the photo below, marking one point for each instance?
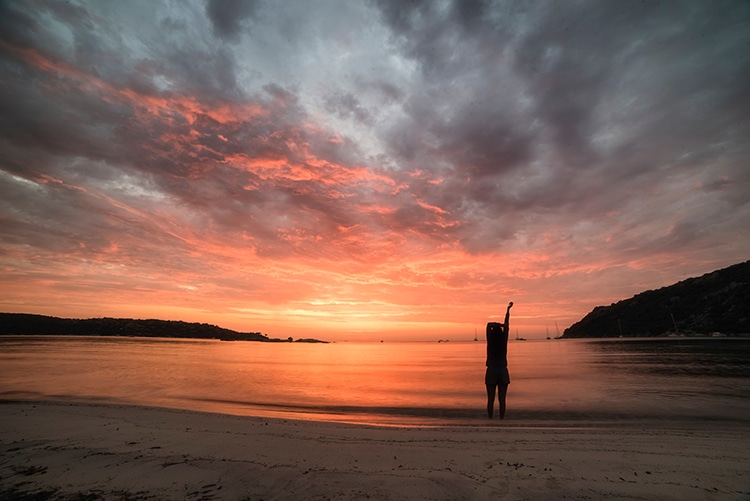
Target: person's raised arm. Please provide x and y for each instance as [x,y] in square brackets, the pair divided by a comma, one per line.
[507,317]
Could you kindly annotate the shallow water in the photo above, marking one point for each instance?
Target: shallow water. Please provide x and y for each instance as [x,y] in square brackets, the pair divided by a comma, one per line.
[389,383]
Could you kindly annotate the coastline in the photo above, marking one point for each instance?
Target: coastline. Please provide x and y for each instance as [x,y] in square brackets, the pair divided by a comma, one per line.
[64,450]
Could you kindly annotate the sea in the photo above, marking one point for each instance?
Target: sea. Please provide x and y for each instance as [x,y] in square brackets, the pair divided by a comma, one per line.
[553,382]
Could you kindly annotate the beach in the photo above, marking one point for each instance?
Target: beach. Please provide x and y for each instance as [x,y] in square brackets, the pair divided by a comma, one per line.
[64,450]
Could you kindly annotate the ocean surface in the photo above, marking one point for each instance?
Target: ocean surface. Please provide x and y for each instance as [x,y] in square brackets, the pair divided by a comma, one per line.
[391,383]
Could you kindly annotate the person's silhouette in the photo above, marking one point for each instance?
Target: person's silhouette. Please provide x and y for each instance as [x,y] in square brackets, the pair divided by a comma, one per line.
[497,377]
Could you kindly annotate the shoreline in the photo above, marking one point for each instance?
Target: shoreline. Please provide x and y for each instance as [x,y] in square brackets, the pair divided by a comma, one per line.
[60,450]
[412,417]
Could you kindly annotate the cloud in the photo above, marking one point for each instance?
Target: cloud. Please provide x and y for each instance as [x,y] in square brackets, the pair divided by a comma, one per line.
[227,16]
[366,145]
[346,105]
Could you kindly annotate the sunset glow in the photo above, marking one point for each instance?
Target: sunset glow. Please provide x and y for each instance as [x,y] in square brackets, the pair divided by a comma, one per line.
[367,170]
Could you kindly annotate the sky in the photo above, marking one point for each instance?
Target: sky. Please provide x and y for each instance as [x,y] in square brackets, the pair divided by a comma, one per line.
[363,170]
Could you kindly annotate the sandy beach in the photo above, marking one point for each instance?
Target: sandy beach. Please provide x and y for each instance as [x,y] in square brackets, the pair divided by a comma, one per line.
[91,451]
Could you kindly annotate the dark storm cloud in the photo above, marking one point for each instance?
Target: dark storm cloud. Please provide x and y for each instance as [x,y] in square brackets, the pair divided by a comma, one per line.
[207,73]
[17,27]
[227,16]
[465,105]
[346,105]
[478,119]
[578,106]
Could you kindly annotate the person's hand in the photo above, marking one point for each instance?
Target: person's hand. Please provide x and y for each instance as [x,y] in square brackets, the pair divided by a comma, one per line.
[510,305]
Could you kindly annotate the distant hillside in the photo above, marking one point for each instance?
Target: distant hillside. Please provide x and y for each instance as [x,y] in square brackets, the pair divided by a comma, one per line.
[715,302]
[26,324]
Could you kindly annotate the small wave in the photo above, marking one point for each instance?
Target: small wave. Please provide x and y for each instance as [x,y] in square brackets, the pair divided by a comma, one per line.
[444,416]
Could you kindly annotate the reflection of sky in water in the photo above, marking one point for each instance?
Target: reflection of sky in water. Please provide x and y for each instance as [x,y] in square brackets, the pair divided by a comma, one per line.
[408,381]
[687,376]
[688,356]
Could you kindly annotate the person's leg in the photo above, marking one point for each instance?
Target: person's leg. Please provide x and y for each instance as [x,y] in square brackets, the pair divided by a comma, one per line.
[490,399]
[502,390]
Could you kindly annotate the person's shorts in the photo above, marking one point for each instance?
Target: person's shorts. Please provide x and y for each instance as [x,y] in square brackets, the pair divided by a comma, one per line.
[497,375]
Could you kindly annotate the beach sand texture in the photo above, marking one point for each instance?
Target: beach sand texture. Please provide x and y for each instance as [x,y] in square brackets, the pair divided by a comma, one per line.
[89,451]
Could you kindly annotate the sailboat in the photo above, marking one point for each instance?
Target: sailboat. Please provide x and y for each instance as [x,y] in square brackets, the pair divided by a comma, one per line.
[475,334]
[519,338]
[547,327]
[557,329]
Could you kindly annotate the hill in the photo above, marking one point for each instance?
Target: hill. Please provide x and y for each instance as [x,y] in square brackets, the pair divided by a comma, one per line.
[715,302]
[27,324]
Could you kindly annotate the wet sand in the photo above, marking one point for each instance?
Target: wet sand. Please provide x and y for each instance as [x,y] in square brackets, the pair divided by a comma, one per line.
[90,451]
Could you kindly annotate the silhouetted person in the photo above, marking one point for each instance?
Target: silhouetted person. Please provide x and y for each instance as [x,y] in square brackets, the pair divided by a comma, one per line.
[497,376]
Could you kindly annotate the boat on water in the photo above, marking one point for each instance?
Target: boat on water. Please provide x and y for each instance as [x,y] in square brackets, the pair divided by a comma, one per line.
[557,330]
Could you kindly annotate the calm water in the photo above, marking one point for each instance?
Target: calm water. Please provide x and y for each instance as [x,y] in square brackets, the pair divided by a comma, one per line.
[389,383]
